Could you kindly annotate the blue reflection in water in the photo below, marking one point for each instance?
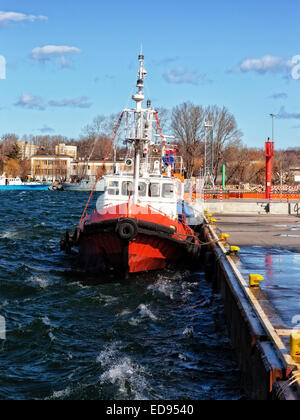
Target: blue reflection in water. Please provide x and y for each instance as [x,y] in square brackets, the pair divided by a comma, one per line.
[281,269]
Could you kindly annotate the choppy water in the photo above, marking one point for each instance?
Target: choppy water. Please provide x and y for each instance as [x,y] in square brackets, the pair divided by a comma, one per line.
[158,336]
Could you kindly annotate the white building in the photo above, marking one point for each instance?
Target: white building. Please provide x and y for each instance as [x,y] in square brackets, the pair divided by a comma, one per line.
[64,150]
[27,150]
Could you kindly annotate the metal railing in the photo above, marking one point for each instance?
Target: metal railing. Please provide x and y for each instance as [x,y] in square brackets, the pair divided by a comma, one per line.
[241,194]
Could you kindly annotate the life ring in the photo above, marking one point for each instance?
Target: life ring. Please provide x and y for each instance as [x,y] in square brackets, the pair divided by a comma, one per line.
[127,229]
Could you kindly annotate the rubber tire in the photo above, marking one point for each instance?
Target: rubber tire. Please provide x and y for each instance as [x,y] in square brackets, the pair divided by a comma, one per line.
[127,230]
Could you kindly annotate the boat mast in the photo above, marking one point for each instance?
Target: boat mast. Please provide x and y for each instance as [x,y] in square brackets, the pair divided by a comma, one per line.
[139,126]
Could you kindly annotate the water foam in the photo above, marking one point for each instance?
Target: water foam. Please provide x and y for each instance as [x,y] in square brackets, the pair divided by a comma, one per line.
[9,234]
[41,282]
[121,371]
[59,395]
[145,312]
[163,286]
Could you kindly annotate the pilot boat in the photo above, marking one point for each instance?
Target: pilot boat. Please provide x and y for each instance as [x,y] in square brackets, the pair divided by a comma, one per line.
[136,226]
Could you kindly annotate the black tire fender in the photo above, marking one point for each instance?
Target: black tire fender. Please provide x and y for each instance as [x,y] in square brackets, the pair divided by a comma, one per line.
[127,229]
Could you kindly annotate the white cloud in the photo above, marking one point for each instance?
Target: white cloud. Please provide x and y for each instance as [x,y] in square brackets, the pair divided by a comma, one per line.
[265,64]
[8,17]
[180,75]
[29,101]
[49,52]
[82,102]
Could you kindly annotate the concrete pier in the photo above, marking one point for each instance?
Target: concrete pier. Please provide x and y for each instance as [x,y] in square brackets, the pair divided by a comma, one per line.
[258,334]
[253,207]
[276,231]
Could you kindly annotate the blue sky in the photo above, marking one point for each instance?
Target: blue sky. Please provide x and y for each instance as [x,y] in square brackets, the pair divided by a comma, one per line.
[69,61]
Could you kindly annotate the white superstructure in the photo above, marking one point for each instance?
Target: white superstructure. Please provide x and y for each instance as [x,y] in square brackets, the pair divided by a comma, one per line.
[10,181]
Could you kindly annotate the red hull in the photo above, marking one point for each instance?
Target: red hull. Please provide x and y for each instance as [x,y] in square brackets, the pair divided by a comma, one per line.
[133,239]
[106,251]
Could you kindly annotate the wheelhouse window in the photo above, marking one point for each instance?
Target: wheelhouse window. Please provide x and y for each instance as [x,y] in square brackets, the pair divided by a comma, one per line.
[127,188]
[142,189]
[154,190]
[113,188]
[168,191]
[113,184]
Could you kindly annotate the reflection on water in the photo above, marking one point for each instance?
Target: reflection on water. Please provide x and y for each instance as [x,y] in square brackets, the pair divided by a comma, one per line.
[281,270]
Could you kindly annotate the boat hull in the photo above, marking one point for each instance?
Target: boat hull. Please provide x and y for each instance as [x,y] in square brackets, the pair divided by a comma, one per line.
[132,244]
[83,186]
[24,187]
[106,251]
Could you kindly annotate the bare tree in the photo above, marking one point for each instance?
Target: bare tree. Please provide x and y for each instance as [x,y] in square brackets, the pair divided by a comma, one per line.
[187,126]
[95,137]
[164,119]
[225,132]
[236,158]
[8,142]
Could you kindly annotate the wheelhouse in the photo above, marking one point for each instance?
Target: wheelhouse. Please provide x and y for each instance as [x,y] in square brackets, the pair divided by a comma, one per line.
[160,192]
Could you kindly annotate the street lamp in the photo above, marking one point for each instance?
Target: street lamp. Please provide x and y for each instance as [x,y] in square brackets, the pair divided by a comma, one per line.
[207,125]
[273,116]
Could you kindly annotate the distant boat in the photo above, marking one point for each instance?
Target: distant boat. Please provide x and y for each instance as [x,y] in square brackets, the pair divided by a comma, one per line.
[84,185]
[16,184]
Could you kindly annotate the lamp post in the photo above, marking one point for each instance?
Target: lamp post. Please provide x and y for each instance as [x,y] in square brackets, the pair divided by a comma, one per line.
[273,116]
[269,152]
[208,125]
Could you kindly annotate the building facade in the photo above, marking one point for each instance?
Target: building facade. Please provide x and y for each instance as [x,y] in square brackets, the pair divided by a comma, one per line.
[84,169]
[62,149]
[64,168]
[295,174]
[27,150]
[51,168]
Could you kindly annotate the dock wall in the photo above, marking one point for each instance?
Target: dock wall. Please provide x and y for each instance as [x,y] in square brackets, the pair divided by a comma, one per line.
[242,207]
[264,373]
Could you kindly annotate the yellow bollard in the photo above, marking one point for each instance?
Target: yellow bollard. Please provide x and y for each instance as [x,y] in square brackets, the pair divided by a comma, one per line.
[208,217]
[295,346]
[255,279]
[234,249]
